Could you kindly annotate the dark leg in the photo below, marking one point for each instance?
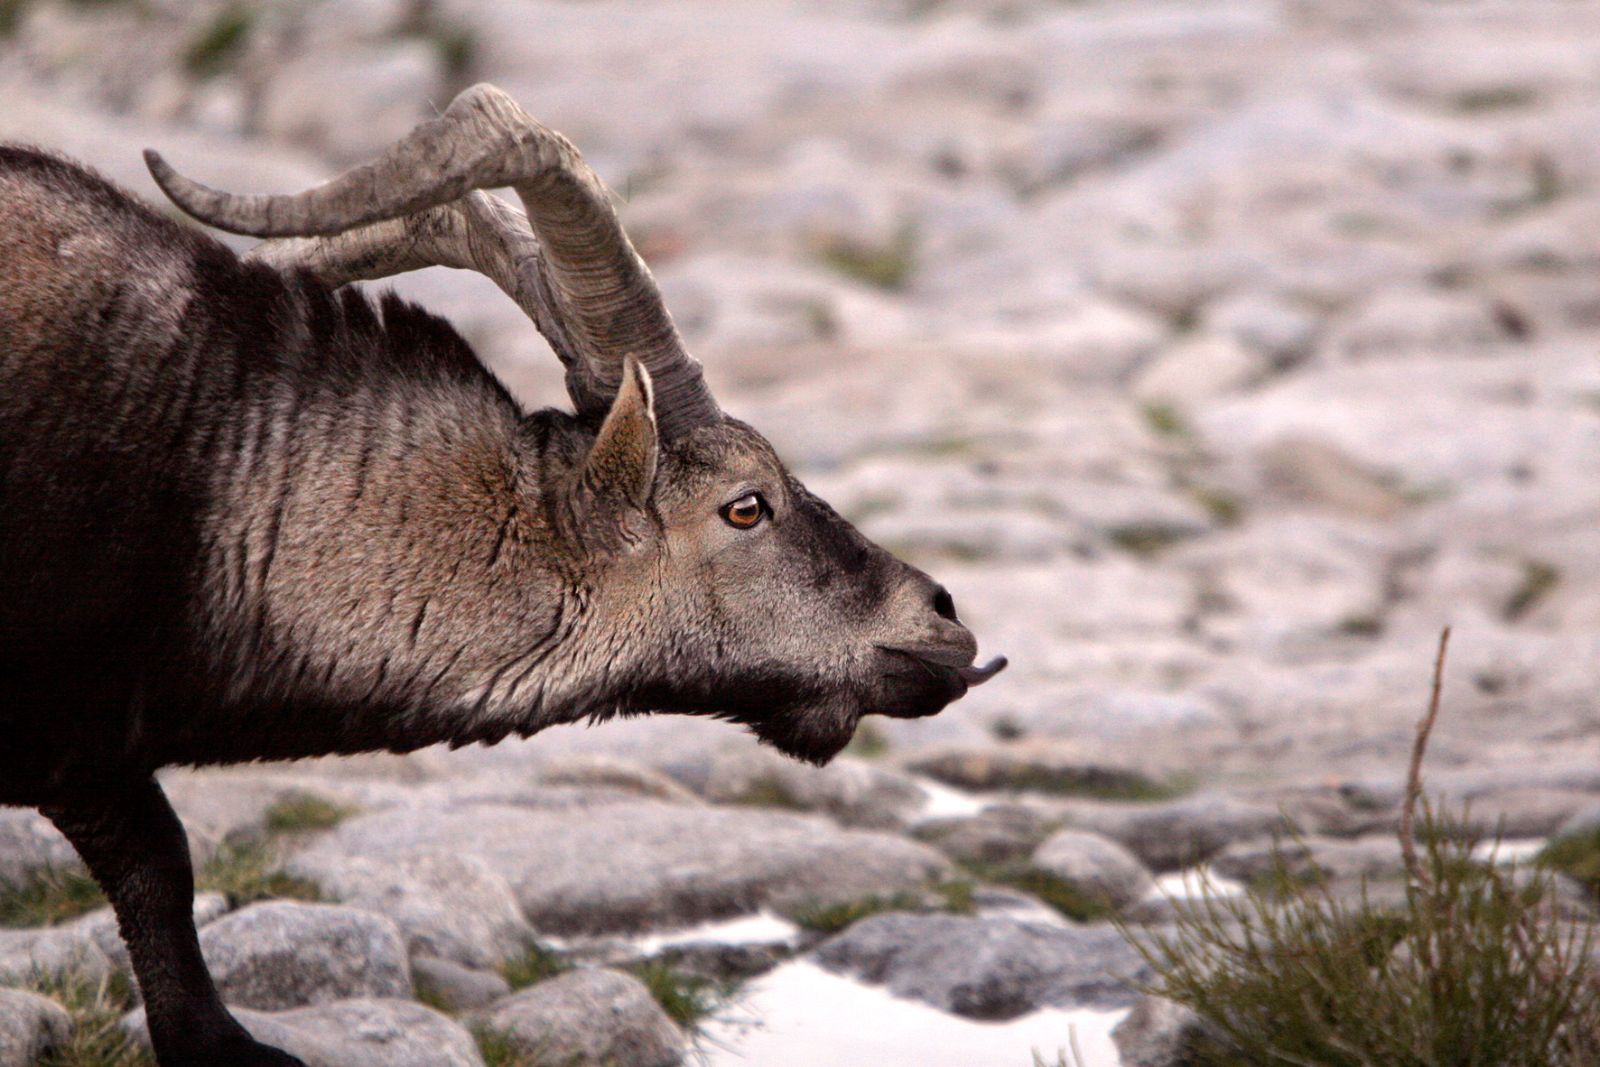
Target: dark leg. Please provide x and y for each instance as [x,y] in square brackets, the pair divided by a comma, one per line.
[135,848]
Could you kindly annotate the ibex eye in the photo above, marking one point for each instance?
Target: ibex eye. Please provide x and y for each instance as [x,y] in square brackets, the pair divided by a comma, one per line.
[746,512]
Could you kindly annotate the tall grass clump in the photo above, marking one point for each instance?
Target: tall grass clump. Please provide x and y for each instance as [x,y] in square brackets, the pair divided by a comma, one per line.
[688,999]
[250,872]
[1470,967]
[48,897]
[97,1007]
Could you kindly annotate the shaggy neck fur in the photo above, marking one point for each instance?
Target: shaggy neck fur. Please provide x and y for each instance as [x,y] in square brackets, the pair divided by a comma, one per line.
[422,568]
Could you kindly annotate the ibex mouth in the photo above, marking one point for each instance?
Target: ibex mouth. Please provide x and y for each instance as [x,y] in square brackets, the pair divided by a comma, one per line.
[978,675]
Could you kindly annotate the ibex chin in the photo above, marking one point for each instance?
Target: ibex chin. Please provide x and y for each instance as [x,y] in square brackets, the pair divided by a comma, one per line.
[247,514]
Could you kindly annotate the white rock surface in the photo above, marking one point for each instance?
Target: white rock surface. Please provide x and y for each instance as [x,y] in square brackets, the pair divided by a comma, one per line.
[638,865]
[453,907]
[589,1018]
[284,954]
[361,1032]
[1095,866]
[30,1026]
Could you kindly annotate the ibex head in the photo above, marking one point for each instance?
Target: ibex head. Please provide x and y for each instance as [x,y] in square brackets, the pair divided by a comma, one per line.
[702,577]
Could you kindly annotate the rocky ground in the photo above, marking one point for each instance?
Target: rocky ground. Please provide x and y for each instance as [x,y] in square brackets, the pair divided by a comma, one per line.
[1214,354]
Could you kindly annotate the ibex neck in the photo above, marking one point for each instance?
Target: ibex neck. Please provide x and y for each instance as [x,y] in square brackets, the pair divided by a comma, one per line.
[384,564]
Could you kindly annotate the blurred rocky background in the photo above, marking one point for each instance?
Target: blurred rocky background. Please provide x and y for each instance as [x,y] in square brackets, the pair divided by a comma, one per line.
[1214,353]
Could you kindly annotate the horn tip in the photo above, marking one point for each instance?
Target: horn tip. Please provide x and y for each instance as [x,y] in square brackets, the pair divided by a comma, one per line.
[162,171]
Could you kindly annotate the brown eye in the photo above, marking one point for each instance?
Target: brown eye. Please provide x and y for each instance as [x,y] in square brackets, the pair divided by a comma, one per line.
[745,513]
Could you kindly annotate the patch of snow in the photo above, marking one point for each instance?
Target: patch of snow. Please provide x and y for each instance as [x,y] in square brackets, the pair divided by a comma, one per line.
[946,803]
[1191,883]
[762,928]
[800,1016]
[1503,853]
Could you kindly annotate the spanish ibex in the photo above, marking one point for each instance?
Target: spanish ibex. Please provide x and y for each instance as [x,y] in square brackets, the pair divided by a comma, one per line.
[248,514]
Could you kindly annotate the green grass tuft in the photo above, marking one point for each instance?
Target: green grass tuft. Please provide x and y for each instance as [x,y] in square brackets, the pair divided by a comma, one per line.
[1364,625]
[1467,970]
[1147,539]
[97,1008]
[219,43]
[1225,508]
[1166,421]
[302,811]
[1062,896]
[47,898]
[1095,783]
[832,918]
[956,896]
[765,791]
[886,266]
[498,1050]
[953,897]
[427,994]
[249,873]
[1006,728]
[1576,855]
[869,742]
[532,967]
[458,50]
[688,999]
[1539,580]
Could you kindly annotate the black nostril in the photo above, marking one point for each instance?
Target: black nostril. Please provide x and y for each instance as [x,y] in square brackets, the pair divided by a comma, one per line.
[944,604]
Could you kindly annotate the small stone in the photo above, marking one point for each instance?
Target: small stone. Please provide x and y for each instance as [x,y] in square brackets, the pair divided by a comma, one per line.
[1408,323]
[55,952]
[1156,1033]
[1280,331]
[30,1026]
[284,954]
[458,988]
[1198,369]
[988,968]
[1183,832]
[589,1018]
[851,791]
[31,845]
[1525,811]
[1000,833]
[1304,470]
[1334,860]
[452,907]
[1095,866]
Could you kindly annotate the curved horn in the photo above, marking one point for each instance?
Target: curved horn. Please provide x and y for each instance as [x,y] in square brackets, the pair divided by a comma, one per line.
[596,298]
[478,232]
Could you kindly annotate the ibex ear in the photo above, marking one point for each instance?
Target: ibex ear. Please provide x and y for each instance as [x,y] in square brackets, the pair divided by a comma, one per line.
[621,469]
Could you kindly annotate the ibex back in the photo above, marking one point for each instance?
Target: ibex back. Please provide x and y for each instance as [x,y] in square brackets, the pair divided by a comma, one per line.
[248,514]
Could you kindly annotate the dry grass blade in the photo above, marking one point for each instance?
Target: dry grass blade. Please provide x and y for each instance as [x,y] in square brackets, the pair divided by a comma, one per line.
[1419,749]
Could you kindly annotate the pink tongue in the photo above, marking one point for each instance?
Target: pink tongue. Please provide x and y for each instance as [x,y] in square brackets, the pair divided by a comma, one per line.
[979,675]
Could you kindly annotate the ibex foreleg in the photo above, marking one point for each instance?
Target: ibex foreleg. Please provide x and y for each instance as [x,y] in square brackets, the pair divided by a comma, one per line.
[135,847]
